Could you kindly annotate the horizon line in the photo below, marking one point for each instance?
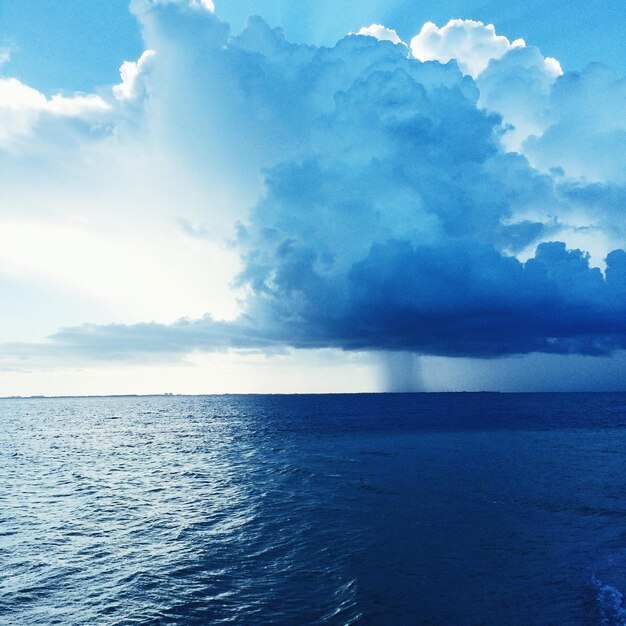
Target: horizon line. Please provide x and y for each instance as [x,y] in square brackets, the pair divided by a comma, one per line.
[300,393]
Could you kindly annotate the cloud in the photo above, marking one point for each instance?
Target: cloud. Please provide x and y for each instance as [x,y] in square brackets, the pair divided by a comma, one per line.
[22,107]
[518,86]
[382,33]
[203,5]
[472,44]
[459,301]
[129,73]
[574,122]
[386,209]
[587,134]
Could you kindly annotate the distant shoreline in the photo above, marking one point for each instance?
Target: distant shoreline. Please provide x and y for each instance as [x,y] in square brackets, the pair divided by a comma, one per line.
[341,393]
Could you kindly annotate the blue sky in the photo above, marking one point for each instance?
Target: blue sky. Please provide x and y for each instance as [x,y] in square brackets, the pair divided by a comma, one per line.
[191,204]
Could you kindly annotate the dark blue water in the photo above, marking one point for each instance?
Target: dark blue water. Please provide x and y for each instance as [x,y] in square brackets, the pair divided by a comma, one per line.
[295,510]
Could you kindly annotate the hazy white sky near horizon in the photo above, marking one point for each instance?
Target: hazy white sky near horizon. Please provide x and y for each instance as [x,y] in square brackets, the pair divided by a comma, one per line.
[114,211]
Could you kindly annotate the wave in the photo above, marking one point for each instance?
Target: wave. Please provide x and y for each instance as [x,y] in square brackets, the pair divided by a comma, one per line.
[610,604]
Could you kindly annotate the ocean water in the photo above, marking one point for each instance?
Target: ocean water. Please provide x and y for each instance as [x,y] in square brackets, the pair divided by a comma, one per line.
[382,510]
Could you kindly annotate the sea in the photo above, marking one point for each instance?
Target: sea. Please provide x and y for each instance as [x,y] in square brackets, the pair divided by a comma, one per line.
[381,509]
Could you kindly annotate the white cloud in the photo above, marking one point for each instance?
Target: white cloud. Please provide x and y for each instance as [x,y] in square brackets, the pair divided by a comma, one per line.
[129,73]
[22,106]
[207,4]
[16,95]
[204,5]
[80,106]
[552,67]
[380,32]
[472,44]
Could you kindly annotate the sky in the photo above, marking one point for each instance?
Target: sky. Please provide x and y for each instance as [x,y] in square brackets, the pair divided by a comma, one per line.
[259,196]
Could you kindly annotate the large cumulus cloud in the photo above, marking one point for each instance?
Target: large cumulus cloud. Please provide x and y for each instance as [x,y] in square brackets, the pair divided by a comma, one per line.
[402,204]
[396,231]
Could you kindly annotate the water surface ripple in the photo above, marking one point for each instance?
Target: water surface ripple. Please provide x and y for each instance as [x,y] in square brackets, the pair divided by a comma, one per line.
[295,510]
